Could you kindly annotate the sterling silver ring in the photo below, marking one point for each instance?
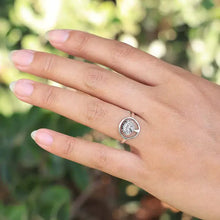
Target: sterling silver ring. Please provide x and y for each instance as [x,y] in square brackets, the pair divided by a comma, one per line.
[129,127]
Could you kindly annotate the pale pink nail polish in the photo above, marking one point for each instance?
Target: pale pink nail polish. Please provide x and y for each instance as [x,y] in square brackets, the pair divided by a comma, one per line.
[23,87]
[22,57]
[42,138]
[57,36]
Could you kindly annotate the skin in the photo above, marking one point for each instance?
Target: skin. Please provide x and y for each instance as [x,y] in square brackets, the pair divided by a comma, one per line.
[176,155]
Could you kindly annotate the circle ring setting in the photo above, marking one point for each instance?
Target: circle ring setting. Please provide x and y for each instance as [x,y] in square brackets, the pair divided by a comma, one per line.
[129,128]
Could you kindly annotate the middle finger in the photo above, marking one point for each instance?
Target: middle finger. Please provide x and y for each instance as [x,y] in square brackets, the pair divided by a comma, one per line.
[92,79]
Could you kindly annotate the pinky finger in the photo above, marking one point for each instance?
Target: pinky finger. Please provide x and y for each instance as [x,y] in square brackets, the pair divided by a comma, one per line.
[119,163]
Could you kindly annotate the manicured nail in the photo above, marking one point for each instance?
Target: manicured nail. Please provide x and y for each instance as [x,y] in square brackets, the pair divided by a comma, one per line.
[12,86]
[57,36]
[33,134]
[23,87]
[22,57]
[42,138]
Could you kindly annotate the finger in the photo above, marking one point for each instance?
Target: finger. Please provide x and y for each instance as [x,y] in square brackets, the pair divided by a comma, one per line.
[92,79]
[74,105]
[90,154]
[119,56]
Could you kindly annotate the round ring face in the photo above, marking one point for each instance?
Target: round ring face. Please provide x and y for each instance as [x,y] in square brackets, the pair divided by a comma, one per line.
[129,128]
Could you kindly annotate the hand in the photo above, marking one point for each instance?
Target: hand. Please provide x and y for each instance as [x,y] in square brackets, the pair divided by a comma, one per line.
[176,155]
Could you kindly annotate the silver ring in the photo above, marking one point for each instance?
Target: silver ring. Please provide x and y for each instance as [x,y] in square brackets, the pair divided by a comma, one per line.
[129,127]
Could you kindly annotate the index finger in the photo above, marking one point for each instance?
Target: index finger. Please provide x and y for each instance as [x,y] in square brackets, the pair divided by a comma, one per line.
[119,56]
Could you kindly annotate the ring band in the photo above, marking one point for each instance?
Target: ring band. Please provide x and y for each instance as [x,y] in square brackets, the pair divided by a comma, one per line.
[129,127]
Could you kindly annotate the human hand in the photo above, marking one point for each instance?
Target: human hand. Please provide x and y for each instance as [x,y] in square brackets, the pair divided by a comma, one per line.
[176,155]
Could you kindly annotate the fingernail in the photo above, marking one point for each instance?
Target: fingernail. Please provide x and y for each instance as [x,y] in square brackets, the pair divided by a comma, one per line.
[23,87]
[57,36]
[33,134]
[12,86]
[22,57]
[42,138]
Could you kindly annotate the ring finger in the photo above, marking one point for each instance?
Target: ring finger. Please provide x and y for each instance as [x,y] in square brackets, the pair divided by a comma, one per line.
[75,105]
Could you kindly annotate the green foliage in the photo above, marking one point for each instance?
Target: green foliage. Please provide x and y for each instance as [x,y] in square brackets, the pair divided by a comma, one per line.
[79,174]
[13,212]
[54,203]
[37,185]
[208,4]
[171,216]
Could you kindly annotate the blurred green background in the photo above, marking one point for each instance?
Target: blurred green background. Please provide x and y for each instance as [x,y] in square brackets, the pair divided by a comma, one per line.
[36,185]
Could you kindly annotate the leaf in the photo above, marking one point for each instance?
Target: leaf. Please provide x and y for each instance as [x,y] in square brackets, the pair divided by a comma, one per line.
[168,215]
[208,4]
[72,128]
[54,167]
[54,203]
[80,175]
[55,193]
[17,212]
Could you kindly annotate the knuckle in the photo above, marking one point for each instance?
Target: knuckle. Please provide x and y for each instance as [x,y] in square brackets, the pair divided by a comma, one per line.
[49,97]
[194,90]
[121,50]
[94,111]
[49,64]
[94,77]
[101,159]
[81,40]
[69,146]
